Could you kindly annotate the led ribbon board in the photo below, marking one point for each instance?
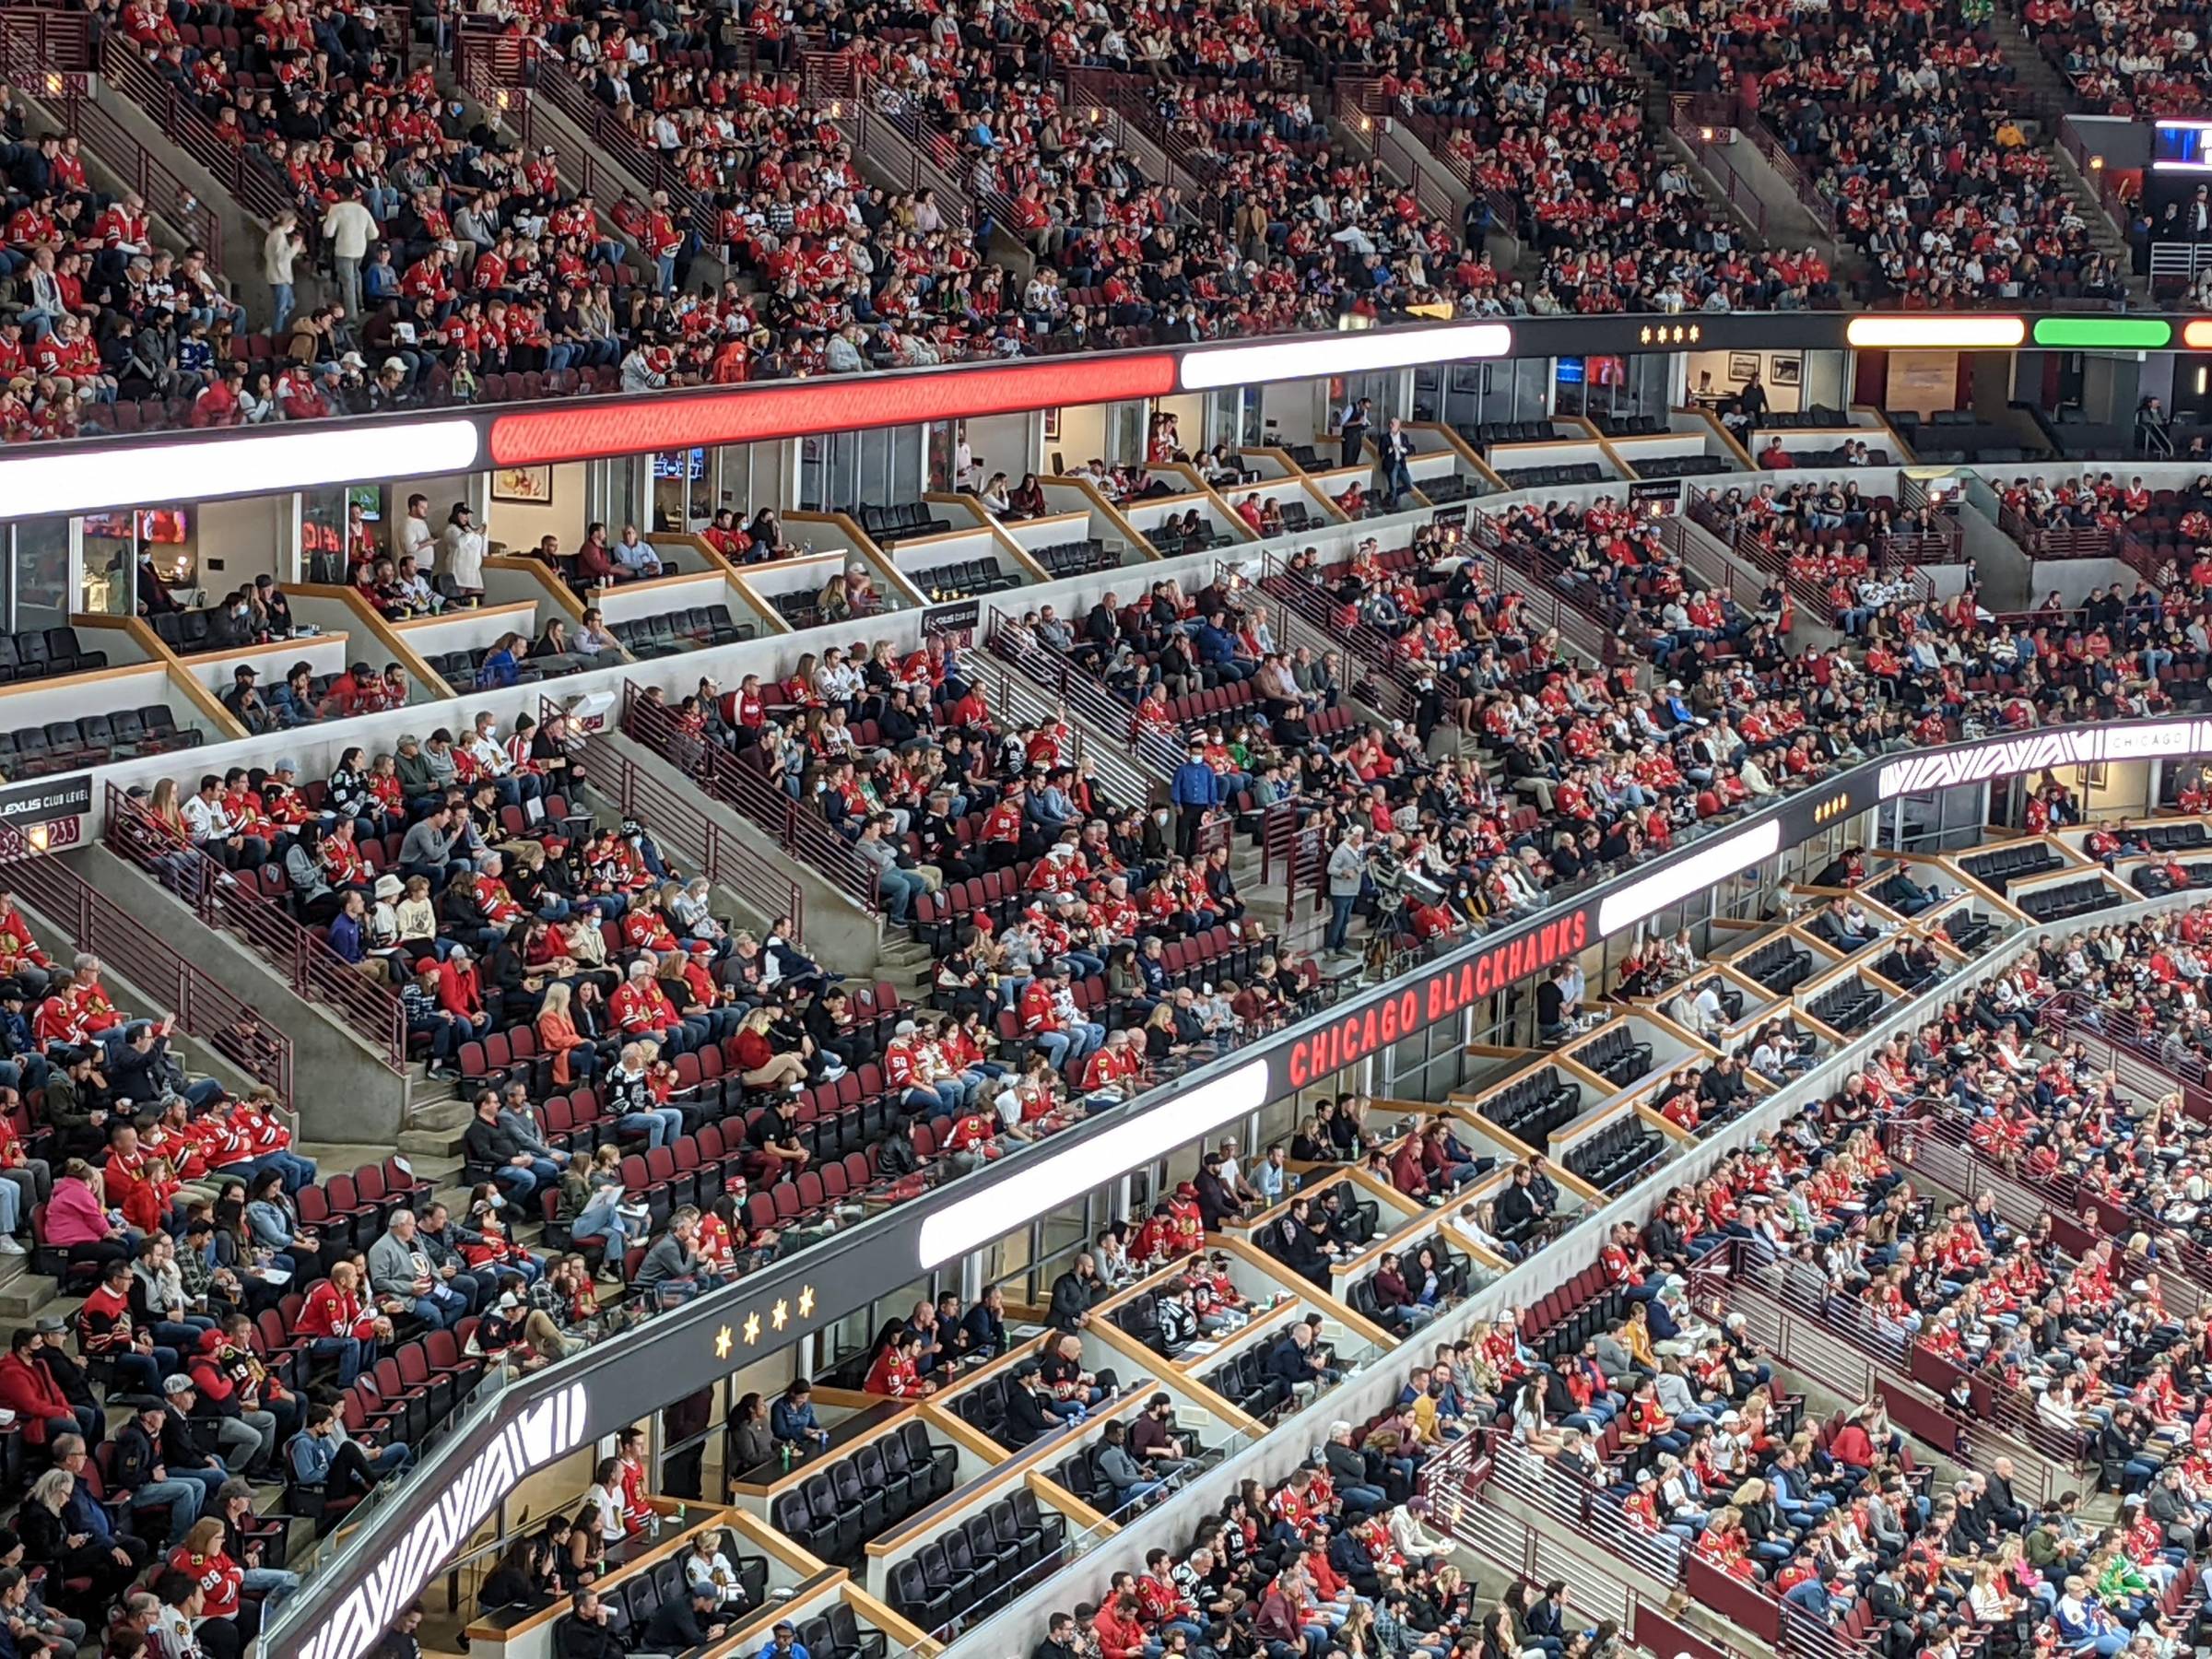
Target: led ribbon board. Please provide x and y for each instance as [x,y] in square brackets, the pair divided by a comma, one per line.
[2033,751]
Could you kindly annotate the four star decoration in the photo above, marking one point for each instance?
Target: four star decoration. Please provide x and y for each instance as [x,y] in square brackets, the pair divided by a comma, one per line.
[779,1316]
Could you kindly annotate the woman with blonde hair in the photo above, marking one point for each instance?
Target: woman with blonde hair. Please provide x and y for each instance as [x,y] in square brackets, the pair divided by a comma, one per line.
[758,1064]
[574,1057]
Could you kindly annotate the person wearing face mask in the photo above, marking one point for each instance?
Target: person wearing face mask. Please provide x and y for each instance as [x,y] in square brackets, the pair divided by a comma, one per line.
[154,597]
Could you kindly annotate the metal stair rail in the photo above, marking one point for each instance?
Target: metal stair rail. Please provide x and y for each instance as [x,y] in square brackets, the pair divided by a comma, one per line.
[727,859]
[805,835]
[1367,650]
[204,1010]
[365,1006]
[1533,576]
[1084,696]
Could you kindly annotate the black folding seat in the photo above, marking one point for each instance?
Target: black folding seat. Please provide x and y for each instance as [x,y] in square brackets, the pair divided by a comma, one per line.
[940,1462]
[913,1595]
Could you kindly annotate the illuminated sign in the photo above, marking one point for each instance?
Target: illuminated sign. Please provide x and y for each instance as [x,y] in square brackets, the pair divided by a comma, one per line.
[1363,353]
[1039,1185]
[831,403]
[2104,333]
[1679,333]
[43,478]
[1934,334]
[1828,811]
[1680,877]
[1409,1008]
[2197,334]
[540,1434]
[2076,746]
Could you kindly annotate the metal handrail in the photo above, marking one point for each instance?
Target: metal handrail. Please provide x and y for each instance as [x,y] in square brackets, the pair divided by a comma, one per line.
[727,860]
[807,836]
[1082,694]
[102,927]
[366,1006]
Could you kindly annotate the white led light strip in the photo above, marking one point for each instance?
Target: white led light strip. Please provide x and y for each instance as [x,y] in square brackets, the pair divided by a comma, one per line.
[1031,1190]
[52,479]
[1360,353]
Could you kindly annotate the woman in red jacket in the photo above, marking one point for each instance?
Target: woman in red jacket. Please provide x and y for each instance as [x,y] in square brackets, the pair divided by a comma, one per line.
[202,1560]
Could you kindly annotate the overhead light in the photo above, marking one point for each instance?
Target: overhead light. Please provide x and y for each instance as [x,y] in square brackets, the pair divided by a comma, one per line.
[1365,353]
[1031,1189]
[1961,333]
[839,402]
[1673,882]
[2198,335]
[44,479]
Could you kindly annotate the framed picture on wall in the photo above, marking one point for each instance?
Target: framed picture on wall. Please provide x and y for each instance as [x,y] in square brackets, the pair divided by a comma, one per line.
[1052,424]
[1742,366]
[530,484]
[1787,370]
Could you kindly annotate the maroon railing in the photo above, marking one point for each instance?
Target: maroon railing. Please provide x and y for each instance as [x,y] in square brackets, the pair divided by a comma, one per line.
[100,925]
[1435,138]
[365,1006]
[251,180]
[1710,145]
[726,859]
[898,146]
[1769,145]
[1535,576]
[1366,649]
[803,835]
[166,195]
[1085,697]
[2057,541]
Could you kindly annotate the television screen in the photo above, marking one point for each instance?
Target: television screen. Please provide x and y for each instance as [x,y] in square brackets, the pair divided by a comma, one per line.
[688,465]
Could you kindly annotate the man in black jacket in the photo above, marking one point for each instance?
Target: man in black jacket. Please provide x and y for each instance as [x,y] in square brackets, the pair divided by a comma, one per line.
[587,1633]
[138,1471]
[685,1622]
[1074,1291]
[1059,1639]
[1027,1417]
[496,1152]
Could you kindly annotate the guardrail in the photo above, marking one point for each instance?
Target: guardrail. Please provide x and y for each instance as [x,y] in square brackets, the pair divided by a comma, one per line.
[100,925]
[166,195]
[2057,541]
[805,835]
[1710,145]
[309,967]
[1083,694]
[255,184]
[727,860]
[1362,645]
[1576,618]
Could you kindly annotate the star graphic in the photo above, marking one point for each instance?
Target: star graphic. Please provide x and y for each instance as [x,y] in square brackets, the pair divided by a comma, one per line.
[780,1314]
[752,1329]
[806,1301]
[721,1343]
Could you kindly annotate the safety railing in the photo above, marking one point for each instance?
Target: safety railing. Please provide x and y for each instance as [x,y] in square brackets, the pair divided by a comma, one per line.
[882,124]
[1694,554]
[2057,541]
[1097,99]
[647,169]
[1769,144]
[1084,696]
[244,172]
[805,835]
[1711,143]
[221,898]
[1116,774]
[1436,136]
[166,196]
[1366,649]
[101,926]
[2143,1064]
[725,858]
[1536,576]
[1845,1345]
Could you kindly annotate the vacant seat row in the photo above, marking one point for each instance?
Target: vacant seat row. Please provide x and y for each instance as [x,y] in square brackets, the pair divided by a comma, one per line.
[1530,1108]
[1553,476]
[1616,1056]
[965,579]
[1074,558]
[2067,899]
[845,1504]
[2009,865]
[886,525]
[694,628]
[41,653]
[1616,1154]
[980,1565]
[1779,965]
[1847,1008]
[65,745]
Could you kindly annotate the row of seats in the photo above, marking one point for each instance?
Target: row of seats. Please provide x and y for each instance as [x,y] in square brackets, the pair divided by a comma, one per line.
[886,525]
[1903,974]
[2011,863]
[980,1565]
[39,653]
[1815,414]
[1678,467]
[848,1502]
[1552,477]
[1530,1108]
[1074,558]
[697,628]
[1482,434]
[65,745]
[631,1599]
[1616,1056]
[2066,900]
[1875,456]
[459,669]
[1202,540]
[1441,488]
[965,579]
[1451,1278]
[1848,1008]
[1617,1153]
[1780,965]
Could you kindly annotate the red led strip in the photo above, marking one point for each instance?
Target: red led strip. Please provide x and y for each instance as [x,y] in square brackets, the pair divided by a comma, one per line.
[839,404]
